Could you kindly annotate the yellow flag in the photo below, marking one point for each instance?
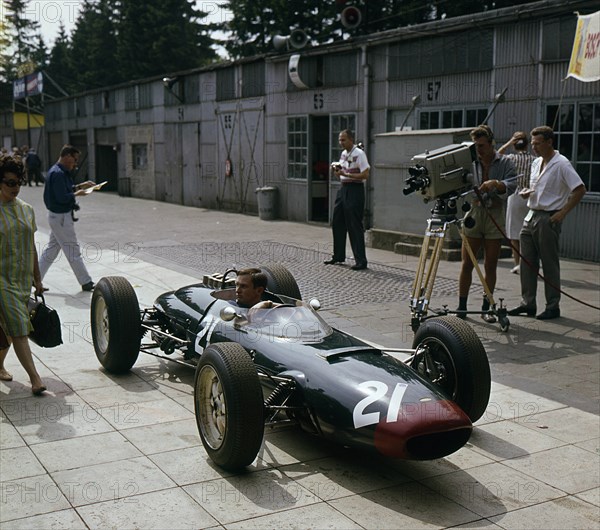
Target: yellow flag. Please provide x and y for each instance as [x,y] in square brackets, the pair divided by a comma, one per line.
[585,57]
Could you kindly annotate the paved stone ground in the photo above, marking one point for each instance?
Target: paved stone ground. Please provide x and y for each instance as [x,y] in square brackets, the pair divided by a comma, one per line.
[333,286]
[101,451]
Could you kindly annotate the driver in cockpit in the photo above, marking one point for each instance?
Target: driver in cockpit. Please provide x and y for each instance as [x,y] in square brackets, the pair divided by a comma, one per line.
[250,285]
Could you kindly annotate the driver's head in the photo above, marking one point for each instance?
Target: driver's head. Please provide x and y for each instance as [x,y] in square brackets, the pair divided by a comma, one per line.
[250,284]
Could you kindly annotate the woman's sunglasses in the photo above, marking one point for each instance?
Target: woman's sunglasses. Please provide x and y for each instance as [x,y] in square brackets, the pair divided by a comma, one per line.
[13,183]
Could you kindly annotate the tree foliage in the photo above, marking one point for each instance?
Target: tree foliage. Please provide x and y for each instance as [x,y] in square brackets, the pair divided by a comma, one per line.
[253,24]
[158,36]
[113,41]
[60,73]
[120,40]
[20,39]
[22,49]
[93,46]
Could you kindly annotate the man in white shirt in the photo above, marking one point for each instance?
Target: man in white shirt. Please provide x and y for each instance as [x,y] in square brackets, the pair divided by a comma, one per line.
[353,171]
[555,190]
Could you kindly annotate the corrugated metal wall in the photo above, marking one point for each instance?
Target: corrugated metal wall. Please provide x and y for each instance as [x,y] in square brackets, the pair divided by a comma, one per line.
[517,44]
[554,77]
[580,236]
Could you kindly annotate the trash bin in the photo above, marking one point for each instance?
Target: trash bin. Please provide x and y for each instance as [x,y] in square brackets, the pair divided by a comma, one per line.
[124,187]
[267,202]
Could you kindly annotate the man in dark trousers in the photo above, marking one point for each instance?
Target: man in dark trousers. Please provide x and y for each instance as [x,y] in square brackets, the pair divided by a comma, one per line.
[59,198]
[353,171]
[555,189]
[33,164]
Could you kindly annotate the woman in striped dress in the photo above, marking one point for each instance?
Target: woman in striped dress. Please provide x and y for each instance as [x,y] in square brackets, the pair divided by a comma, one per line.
[19,270]
[516,208]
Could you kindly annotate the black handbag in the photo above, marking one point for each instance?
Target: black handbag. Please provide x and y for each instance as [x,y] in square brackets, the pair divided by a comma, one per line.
[46,323]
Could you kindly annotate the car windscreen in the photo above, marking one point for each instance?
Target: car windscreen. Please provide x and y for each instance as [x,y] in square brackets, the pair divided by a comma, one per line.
[290,322]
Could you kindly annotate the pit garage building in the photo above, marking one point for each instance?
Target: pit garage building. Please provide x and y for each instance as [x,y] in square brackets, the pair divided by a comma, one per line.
[210,137]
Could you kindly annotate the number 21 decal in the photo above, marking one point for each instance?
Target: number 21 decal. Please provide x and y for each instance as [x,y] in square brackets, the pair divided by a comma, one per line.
[362,418]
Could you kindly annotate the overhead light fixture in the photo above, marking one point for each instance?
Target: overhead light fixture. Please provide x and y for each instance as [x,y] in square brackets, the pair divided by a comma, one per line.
[498,98]
[168,83]
[414,102]
[351,17]
[296,40]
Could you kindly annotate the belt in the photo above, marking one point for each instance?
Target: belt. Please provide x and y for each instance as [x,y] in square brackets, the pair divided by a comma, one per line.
[352,183]
[548,212]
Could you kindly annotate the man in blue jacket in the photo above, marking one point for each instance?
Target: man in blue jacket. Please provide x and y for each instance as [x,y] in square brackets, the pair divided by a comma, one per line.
[33,163]
[59,198]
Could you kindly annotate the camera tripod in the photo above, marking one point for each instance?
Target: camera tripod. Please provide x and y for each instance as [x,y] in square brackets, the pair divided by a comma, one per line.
[443,216]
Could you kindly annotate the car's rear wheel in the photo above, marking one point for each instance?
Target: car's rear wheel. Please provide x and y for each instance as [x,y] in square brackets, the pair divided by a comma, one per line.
[229,406]
[116,326]
[281,281]
[450,355]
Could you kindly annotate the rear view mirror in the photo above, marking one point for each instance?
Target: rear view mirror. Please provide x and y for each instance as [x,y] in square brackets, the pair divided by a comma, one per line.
[228,314]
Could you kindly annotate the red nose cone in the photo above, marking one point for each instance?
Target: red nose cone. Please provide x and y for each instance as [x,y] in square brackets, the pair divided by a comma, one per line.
[424,431]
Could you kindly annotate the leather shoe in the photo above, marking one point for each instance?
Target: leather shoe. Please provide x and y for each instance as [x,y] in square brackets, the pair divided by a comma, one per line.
[549,314]
[359,267]
[332,261]
[89,286]
[521,310]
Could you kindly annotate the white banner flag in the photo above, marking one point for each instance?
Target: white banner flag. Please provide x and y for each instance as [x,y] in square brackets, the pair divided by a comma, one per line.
[585,57]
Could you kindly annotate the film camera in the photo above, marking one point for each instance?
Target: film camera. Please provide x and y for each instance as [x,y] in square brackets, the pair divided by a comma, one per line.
[444,175]
[441,172]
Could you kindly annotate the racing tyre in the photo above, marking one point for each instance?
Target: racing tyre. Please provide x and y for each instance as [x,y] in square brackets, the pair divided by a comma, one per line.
[116,326]
[228,403]
[281,281]
[454,360]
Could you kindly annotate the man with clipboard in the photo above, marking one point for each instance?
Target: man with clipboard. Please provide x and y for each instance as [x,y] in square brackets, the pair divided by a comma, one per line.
[59,198]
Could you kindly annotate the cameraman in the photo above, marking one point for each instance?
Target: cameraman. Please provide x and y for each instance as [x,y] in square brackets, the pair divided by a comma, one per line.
[59,198]
[353,171]
[489,171]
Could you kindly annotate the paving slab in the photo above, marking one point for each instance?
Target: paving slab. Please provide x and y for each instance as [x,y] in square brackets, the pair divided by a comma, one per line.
[170,508]
[58,520]
[111,481]
[554,515]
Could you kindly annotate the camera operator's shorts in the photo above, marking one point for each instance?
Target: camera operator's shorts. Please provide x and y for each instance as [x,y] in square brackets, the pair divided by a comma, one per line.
[484,227]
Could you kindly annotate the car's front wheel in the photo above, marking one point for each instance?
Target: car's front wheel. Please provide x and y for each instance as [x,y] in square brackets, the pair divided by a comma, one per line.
[229,406]
[116,324]
[450,355]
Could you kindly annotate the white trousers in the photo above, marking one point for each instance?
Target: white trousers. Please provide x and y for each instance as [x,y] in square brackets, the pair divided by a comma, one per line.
[63,237]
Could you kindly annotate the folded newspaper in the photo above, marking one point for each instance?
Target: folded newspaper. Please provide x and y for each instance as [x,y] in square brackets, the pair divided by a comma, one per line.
[95,188]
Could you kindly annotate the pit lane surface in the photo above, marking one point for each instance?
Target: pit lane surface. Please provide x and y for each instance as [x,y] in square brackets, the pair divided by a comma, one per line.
[103,451]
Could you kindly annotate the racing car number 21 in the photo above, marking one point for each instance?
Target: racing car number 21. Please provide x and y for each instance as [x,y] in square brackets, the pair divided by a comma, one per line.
[362,418]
